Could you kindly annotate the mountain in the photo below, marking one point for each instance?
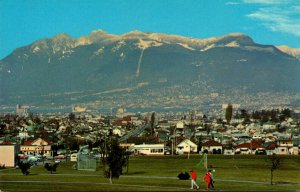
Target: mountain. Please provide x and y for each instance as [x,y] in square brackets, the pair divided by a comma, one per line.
[291,51]
[149,70]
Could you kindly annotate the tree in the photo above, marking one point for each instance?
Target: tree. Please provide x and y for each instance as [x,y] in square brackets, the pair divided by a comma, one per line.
[113,157]
[244,113]
[24,167]
[152,121]
[127,155]
[275,163]
[286,112]
[103,149]
[207,129]
[228,114]
[71,116]
[264,118]
[115,160]
[51,167]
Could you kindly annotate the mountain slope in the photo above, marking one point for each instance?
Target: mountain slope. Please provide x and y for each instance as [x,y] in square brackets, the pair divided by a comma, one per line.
[65,70]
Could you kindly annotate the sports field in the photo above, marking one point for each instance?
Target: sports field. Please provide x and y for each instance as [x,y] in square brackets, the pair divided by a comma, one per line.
[238,173]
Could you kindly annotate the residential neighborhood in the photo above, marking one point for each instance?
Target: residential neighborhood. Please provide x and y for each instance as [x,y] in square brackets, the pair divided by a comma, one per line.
[54,136]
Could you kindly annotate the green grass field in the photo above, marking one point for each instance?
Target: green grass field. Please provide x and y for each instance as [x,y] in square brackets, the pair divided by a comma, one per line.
[238,173]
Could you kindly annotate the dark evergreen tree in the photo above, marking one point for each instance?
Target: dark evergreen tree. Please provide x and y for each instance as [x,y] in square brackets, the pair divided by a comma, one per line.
[228,114]
[287,112]
[244,113]
[116,160]
[72,116]
[152,121]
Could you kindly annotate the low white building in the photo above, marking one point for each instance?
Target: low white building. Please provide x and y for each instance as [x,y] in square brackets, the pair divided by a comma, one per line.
[228,152]
[118,131]
[148,149]
[282,150]
[285,146]
[180,125]
[186,146]
[212,146]
[36,147]
[23,135]
[294,150]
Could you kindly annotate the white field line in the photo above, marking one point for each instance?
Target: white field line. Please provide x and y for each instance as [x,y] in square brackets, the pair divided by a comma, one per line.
[152,177]
[93,183]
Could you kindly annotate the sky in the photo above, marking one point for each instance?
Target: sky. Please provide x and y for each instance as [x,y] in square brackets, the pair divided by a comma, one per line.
[275,22]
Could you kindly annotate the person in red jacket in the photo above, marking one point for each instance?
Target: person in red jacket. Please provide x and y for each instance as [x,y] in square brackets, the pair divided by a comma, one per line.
[208,179]
[194,178]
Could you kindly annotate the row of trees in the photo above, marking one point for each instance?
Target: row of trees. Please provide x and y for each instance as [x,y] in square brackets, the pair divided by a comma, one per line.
[274,115]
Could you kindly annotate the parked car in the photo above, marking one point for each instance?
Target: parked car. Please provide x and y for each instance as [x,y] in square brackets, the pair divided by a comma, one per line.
[22,156]
[57,161]
[33,160]
[60,157]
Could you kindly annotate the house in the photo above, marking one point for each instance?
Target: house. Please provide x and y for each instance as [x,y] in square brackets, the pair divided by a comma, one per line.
[228,152]
[36,147]
[126,146]
[212,146]
[296,142]
[180,125]
[148,149]
[23,135]
[11,152]
[62,129]
[270,147]
[123,121]
[186,146]
[118,131]
[252,147]
[285,146]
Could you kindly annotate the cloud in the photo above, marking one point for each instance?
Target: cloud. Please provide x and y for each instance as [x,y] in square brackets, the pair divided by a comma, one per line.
[283,18]
[232,3]
[266,1]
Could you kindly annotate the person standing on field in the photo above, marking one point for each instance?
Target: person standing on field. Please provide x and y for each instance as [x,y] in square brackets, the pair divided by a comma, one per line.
[194,178]
[208,179]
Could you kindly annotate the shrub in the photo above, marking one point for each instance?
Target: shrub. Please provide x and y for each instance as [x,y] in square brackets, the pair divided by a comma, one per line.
[184,176]
[2,166]
[51,167]
[25,167]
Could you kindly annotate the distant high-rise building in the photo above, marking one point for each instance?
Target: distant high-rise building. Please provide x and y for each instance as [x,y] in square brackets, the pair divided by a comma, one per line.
[234,106]
[121,111]
[77,109]
[22,109]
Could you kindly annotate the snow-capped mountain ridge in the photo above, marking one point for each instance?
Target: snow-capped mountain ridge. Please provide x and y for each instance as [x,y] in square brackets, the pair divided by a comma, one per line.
[173,67]
[289,50]
[63,41]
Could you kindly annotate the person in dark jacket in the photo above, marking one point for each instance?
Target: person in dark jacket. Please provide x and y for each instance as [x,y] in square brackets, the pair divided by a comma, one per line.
[208,179]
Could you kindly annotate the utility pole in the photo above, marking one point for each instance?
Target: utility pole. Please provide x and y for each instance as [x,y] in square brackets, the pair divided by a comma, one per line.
[174,141]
